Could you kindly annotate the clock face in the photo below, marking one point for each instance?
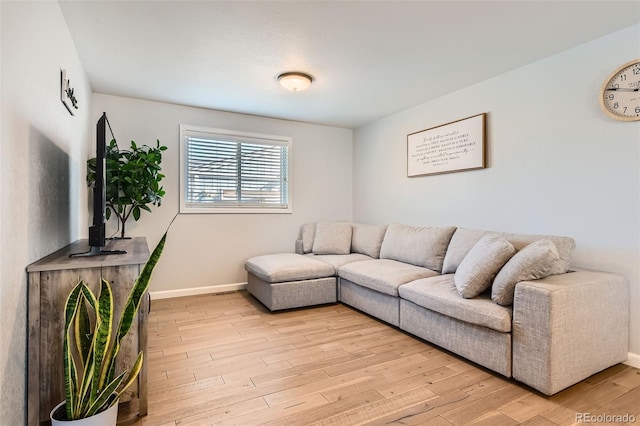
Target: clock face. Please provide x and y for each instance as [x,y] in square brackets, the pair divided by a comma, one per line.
[620,94]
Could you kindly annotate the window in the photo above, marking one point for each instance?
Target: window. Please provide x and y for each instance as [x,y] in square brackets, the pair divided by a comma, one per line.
[224,171]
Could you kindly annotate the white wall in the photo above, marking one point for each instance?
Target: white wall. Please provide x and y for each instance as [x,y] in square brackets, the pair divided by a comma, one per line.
[42,166]
[209,249]
[556,163]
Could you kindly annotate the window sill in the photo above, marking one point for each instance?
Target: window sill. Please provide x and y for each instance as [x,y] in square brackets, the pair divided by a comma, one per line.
[234,210]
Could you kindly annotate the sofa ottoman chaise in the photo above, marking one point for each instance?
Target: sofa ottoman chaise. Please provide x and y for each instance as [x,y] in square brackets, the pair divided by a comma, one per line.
[309,276]
[508,302]
[289,280]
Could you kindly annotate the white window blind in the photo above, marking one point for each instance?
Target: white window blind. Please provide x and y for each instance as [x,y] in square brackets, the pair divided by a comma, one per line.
[231,171]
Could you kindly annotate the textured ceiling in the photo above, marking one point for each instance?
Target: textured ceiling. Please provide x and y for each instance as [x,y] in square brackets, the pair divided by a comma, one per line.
[369,59]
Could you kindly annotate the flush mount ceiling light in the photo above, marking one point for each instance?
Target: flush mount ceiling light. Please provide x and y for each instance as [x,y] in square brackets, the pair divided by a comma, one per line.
[295,81]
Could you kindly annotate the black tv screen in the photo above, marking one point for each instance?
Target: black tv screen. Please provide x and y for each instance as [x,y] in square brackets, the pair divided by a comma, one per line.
[97,230]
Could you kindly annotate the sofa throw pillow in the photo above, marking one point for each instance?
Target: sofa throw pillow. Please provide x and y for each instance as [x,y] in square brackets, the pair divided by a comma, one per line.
[533,262]
[461,242]
[332,238]
[480,266]
[307,234]
[564,245]
[367,239]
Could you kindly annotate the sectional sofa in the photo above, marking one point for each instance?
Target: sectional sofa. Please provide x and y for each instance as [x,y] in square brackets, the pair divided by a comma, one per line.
[509,302]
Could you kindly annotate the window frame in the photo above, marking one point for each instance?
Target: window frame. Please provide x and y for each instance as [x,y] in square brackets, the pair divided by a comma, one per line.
[240,136]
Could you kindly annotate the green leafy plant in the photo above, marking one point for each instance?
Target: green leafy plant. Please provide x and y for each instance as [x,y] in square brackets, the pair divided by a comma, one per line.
[91,345]
[133,180]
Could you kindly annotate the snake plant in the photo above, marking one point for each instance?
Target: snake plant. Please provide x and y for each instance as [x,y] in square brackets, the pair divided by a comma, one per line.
[91,345]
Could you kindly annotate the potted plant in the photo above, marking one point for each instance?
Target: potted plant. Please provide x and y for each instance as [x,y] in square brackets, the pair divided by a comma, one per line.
[133,180]
[92,386]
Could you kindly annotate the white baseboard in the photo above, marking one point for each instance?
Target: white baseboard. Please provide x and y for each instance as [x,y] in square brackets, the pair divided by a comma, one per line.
[168,294]
[633,360]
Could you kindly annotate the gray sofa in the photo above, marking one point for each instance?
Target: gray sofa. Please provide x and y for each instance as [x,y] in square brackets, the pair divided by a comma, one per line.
[508,302]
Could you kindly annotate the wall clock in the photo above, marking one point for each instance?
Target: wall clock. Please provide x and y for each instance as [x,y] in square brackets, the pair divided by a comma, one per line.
[620,93]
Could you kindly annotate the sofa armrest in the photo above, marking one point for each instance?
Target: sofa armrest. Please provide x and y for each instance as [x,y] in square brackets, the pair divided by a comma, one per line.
[299,247]
[567,327]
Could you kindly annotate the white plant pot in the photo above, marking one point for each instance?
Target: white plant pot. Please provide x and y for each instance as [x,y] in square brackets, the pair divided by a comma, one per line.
[108,417]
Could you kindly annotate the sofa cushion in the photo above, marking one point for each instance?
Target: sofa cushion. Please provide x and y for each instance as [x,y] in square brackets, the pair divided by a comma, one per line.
[564,245]
[533,262]
[439,294]
[339,260]
[283,267]
[367,239]
[383,275]
[463,239]
[307,234]
[332,238]
[417,245]
[481,264]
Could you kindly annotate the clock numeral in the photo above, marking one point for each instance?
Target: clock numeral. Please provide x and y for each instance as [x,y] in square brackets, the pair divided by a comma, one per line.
[623,77]
[615,105]
[637,110]
[636,71]
[610,96]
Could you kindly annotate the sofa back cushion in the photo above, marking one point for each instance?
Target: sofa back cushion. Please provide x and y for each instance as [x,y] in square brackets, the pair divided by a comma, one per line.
[463,239]
[417,245]
[367,239]
[332,238]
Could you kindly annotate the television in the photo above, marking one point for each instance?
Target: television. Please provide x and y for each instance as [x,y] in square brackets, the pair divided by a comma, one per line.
[97,231]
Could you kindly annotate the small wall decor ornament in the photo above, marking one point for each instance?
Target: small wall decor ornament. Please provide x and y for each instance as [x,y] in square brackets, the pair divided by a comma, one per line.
[67,96]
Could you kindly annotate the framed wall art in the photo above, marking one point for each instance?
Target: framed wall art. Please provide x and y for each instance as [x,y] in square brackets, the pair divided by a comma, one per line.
[451,147]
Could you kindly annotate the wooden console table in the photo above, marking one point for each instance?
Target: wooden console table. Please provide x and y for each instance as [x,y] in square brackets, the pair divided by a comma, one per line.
[50,281]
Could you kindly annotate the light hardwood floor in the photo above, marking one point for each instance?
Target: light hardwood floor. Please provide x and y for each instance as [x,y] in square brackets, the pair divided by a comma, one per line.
[224,359]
